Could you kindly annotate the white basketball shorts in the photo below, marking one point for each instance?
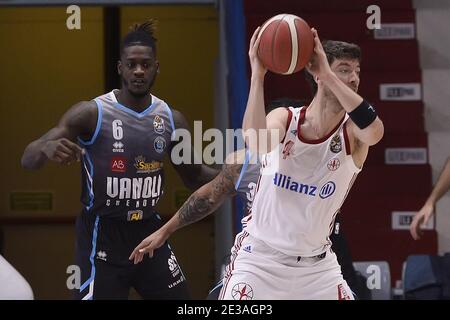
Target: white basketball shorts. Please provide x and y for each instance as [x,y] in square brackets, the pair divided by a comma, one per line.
[259,272]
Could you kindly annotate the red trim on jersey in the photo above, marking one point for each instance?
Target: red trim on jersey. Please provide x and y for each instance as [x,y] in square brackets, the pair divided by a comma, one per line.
[257,187]
[348,150]
[288,122]
[245,222]
[229,269]
[342,293]
[302,119]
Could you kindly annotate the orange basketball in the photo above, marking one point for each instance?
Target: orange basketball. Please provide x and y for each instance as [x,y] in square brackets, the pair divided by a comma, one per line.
[286,44]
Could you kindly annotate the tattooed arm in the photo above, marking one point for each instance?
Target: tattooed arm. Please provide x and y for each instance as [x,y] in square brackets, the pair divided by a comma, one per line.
[200,204]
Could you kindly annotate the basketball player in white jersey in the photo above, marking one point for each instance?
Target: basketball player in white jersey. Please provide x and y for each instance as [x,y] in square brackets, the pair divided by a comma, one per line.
[284,253]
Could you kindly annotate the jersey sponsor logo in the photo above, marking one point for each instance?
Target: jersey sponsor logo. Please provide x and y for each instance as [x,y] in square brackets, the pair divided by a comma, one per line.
[336,144]
[333,164]
[135,215]
[133,192]
[158,125]
[146,167]
[159,144]
[118,164]
[117,146]
[242,291]
[286,182]
[287,149]
[283,181]
[327,190]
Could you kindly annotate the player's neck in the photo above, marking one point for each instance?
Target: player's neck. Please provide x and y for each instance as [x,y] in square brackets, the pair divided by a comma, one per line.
[327,106]
[323,115]
[137,104]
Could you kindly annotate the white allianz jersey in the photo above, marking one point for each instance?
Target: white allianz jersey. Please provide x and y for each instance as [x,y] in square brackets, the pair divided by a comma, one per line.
[302,186]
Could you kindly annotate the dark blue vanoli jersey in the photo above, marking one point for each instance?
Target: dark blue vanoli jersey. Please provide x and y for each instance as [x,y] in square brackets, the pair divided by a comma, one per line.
[122,170]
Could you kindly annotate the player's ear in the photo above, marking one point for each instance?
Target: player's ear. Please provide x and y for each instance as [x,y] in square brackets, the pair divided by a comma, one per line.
[119,67]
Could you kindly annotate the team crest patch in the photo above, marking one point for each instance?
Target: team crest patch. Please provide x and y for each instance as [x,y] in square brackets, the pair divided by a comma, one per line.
[336,144]
[242,291]
[333,164]
[158,125]
[159,144]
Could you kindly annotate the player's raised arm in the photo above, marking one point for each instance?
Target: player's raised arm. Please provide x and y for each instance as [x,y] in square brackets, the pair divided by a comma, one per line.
[261,134]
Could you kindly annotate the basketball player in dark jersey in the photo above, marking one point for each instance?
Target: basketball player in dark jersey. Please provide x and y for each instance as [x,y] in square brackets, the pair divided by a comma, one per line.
[121,139]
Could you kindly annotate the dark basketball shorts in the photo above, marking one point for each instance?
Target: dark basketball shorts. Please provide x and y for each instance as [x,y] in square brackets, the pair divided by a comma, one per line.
[102,251]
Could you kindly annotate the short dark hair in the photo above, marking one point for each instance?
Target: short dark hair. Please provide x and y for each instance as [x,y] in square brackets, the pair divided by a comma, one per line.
[335,50]
[142,34]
